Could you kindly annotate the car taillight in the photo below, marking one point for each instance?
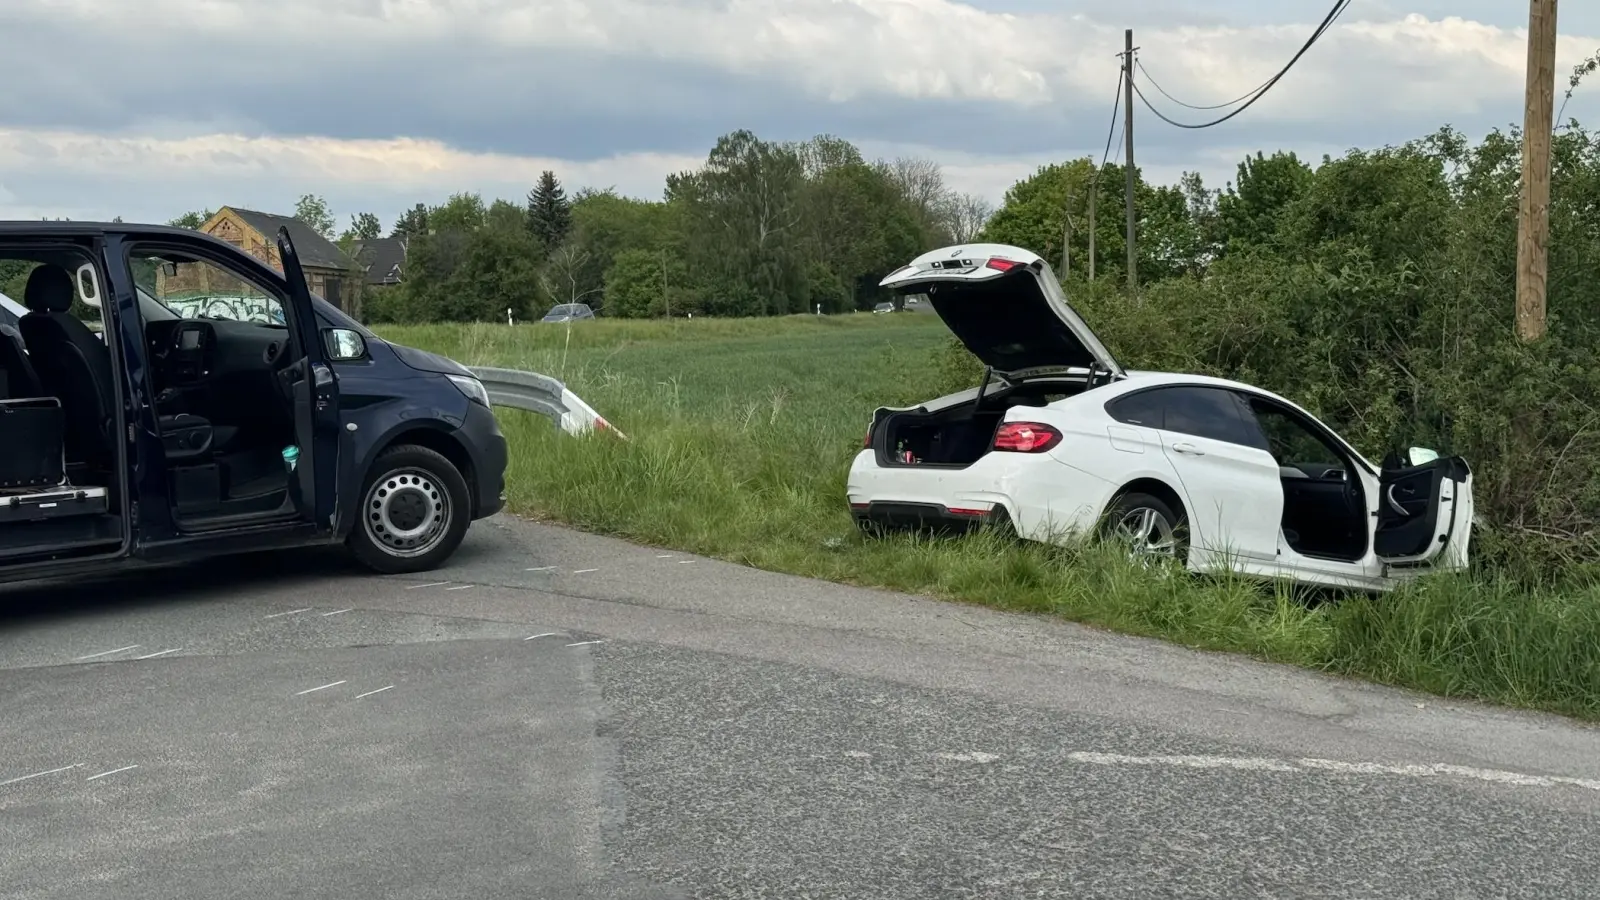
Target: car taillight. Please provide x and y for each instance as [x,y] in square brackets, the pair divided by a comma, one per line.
[1001,265]
[1026,437]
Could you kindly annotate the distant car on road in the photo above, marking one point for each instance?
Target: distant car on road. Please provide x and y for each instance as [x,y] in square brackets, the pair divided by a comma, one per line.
[1060,440]
[568,312]
[883,308]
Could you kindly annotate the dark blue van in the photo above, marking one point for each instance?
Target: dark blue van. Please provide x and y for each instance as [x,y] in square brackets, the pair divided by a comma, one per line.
[220,407]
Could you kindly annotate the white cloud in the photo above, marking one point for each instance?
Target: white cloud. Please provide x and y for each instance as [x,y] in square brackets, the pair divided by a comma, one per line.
[169,105]
[388,176]
[843,49]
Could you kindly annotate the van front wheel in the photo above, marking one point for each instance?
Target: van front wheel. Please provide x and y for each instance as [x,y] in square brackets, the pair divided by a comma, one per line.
[415,510]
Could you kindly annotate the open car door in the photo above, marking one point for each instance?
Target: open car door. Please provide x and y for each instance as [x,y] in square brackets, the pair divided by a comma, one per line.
[1425,513]
[315,390]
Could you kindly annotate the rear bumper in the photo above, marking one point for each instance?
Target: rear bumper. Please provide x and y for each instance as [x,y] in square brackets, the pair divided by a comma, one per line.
[1044,499]
[480,432]
[894,514]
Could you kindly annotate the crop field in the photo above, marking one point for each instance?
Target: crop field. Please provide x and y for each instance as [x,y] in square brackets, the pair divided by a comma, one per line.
[741,432]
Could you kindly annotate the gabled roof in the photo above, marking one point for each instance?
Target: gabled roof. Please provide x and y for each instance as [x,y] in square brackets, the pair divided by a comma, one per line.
[314,249]
[383,258]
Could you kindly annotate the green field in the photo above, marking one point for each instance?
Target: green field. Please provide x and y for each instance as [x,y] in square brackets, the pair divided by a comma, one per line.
[741,433]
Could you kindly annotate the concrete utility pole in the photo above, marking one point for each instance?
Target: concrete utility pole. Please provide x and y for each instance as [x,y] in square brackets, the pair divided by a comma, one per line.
[1127,130]
[1066,234]
[1094,190]
[1533,219]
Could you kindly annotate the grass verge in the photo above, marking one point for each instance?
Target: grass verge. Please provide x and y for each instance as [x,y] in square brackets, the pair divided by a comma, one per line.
[742,432]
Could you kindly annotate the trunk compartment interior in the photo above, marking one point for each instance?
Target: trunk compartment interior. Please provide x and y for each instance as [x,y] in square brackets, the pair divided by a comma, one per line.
[963,434]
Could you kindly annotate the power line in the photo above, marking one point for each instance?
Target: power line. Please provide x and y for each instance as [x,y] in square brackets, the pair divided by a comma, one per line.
[1338,9]
[1116,107]
[1234,102]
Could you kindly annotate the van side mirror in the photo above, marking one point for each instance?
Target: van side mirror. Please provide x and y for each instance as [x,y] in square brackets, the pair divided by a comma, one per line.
[344,345]
[169,269]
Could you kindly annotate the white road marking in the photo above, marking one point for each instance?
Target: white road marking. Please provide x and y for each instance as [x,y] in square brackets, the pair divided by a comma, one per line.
[976,756]
[162,653]
[459,587]
[585,571]
[1310,765]
[663,556]
[292,612]
[539,569]
[415,587]
[545,634]
[38,774]
[370,693]
[685,562]
[315,689]
[106,652]
[337,612]
[112,772]
[585,643]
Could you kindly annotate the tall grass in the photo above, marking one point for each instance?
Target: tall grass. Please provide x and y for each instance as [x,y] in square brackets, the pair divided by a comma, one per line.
[741,433]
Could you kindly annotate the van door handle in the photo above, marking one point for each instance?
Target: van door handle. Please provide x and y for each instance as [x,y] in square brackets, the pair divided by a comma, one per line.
[1188,449]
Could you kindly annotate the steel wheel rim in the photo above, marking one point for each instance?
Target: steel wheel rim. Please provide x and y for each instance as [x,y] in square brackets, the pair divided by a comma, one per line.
[406,513]
[1147,533]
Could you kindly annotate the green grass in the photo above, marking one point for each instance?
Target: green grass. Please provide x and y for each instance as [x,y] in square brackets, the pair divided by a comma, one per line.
[741,432]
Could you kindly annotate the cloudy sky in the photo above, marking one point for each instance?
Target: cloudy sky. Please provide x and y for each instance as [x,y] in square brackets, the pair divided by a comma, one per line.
[148,108]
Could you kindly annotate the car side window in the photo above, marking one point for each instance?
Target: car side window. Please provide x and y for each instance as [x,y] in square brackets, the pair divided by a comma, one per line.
[197,288]
[1291,442]
[1146,408]
[1205,412]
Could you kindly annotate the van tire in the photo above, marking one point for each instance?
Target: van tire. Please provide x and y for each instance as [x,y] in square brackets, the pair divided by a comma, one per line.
[426,487]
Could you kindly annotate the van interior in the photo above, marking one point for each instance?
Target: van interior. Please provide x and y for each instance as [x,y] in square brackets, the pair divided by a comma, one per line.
[60,478]
[218,350]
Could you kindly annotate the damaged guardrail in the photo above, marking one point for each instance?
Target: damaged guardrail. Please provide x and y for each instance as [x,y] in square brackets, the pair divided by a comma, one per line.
[516,389]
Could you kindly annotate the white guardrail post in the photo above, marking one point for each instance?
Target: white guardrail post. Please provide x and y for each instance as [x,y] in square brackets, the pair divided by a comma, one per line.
[544,395]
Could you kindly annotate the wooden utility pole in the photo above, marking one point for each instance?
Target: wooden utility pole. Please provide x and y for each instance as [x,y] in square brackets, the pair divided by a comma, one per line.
[665,298]
[1533,220]
[1127,130]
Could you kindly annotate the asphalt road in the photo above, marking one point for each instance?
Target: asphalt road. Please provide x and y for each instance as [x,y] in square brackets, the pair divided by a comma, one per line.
[559,715]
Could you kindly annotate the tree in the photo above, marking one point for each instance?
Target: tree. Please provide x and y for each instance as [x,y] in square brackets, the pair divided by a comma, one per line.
[363,227]
[965,216]
[606,225]
[560,278]
[549,213]
[1031,216]
[191,220]
[741,217]
[642,284]
[412,223]
[313,210]
[1248,210]
[857,227]
[463,212]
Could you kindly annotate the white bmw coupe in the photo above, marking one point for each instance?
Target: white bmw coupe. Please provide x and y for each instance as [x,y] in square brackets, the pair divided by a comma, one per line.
[1059,442]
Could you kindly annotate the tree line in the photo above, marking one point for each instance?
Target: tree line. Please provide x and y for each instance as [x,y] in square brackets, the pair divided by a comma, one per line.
[761,228]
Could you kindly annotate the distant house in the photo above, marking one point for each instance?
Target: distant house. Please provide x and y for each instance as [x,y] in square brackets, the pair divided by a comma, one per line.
[383,259]
[326,266]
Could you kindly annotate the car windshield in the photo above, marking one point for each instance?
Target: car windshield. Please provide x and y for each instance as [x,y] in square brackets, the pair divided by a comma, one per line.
[568,309]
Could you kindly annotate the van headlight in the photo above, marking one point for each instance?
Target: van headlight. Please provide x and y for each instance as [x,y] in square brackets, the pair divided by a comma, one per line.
[472,387]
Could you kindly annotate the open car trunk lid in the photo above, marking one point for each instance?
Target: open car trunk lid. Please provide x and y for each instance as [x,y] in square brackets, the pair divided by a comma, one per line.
[1006,305]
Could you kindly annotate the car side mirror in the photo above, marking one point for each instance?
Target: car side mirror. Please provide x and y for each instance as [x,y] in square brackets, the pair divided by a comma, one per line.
[344,345]
[169,269]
